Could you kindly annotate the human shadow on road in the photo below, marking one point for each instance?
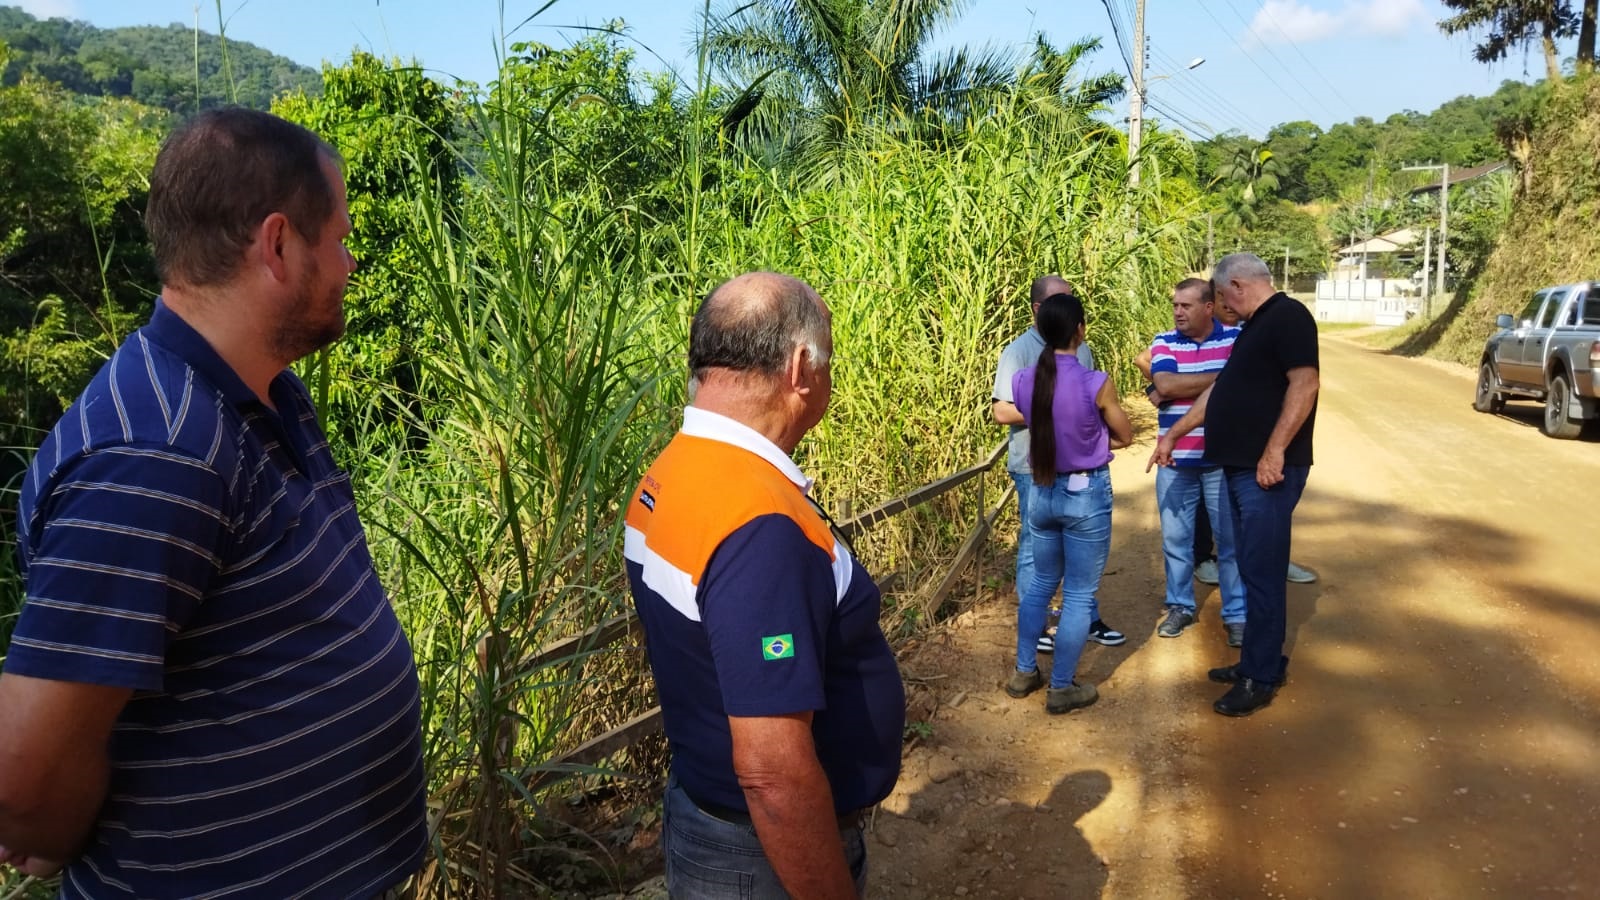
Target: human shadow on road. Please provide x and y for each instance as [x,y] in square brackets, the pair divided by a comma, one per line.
[1011,849]
[1435,738]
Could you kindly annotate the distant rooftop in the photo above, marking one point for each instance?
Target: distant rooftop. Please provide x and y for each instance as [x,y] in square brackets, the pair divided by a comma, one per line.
[1457,176]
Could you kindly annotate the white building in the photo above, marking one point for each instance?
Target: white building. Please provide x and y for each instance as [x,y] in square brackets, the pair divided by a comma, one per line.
[1349,294]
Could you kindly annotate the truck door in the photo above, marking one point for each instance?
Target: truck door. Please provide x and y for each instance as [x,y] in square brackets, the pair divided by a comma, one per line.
[1509,352]
[1540,336]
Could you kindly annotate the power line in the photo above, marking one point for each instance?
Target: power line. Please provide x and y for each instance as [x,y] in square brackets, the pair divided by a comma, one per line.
[1197,129]
[1264,73]
[1188,86]
[1266,8]
[1199,105]
[1315,97]
[1116,33]
[1232,111]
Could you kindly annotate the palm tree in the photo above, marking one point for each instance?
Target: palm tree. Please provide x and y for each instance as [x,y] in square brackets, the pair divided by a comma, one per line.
[814,71]
[1252,169]
[1508,24]
[1052,78]
[1251,174]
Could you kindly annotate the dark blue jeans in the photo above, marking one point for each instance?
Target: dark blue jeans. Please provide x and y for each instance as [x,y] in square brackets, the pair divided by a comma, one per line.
[710,859]
[1261,523]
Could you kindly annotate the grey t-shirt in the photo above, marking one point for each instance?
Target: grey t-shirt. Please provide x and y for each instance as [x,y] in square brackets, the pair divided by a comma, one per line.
[1018,355]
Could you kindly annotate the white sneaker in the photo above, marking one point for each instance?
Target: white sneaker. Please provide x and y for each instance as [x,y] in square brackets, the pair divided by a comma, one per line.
[1300,574]
[1206,572]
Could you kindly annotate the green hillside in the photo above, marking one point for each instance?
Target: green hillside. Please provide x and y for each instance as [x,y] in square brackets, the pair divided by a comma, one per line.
[155,66]
[1551,236]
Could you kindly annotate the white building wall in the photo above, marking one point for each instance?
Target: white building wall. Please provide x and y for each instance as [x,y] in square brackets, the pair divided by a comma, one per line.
[1364,301]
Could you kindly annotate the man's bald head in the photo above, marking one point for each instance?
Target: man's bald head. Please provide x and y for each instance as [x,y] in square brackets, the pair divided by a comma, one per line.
[751,323]
[1047,285]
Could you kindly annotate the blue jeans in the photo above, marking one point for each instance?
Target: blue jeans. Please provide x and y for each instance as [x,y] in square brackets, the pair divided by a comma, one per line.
[1071,536]
[1179,493]
[1024,484]
[713,859]
[1261,519]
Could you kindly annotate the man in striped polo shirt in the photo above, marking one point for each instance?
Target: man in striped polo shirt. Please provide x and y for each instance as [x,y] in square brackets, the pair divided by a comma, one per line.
[1183,363]
[207,693]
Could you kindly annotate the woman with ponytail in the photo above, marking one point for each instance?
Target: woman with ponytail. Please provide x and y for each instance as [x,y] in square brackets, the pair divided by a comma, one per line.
[1074,422]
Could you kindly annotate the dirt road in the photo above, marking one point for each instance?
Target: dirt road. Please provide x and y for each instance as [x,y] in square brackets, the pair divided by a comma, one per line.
[1439,735]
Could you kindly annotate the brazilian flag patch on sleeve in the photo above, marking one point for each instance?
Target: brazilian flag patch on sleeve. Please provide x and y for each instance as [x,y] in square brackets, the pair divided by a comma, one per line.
[777,646]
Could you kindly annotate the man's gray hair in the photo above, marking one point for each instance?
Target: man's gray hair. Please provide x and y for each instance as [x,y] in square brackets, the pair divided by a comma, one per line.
[1240,267]
[753,322]
[1047,285]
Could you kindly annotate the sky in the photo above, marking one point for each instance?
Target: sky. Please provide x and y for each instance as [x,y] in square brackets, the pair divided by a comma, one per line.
[1325,61]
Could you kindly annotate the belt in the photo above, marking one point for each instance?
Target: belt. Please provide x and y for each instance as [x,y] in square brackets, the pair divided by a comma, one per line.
[1080,472]
[848,821]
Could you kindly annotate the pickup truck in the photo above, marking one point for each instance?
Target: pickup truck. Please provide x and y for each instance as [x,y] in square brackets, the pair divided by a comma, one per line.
[1550,353]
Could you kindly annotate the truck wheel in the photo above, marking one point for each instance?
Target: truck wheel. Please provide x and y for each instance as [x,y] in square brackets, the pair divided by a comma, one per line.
[1560,419]
[1488,398]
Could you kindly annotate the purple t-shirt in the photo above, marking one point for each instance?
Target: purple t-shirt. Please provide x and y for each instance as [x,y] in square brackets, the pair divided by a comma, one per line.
[1082,440]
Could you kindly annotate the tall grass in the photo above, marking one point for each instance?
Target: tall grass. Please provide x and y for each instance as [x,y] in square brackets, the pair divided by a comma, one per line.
[553,367]
[558,316]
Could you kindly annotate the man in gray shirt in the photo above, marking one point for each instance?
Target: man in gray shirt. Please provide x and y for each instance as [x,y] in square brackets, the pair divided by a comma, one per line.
[1018,355]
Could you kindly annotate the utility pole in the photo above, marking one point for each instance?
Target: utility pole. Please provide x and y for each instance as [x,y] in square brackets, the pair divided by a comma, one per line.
[1286,270]
[1211,254]
[1427,270]
[1444,220]
[1136,99]
[1444,214]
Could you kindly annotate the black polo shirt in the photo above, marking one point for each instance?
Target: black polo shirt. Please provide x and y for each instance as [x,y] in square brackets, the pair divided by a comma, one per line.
[1248,394]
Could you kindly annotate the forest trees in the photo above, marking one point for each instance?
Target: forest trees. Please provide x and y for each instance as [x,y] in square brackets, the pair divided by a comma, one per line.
[1506,25]
[75,274]
[154,65]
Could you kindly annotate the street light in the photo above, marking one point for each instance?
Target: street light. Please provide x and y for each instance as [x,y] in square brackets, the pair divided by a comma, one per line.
[1136,109]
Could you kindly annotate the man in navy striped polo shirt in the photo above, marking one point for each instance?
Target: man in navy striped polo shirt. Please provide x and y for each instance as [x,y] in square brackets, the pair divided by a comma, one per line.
[207,693]
[1183,363]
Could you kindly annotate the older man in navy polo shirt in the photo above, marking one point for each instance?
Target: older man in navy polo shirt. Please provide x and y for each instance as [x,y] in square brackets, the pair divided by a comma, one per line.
[207,692]
[781,700]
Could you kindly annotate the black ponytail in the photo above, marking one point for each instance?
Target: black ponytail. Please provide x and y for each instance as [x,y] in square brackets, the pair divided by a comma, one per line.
[1059,318]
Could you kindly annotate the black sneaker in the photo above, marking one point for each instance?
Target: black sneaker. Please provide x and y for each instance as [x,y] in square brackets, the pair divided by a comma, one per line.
[1101,633]
[1176,621]
[1047,642]
[1235,633]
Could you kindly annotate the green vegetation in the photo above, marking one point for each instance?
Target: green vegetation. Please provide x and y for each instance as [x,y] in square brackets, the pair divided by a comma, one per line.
[531,253]
[530,256]
[1508,25]
[73,261]
[1548,236]
[1311,191]
[154,66]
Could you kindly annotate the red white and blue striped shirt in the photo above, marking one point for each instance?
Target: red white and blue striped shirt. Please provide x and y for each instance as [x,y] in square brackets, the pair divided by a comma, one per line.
[1177,353]
[180,538]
